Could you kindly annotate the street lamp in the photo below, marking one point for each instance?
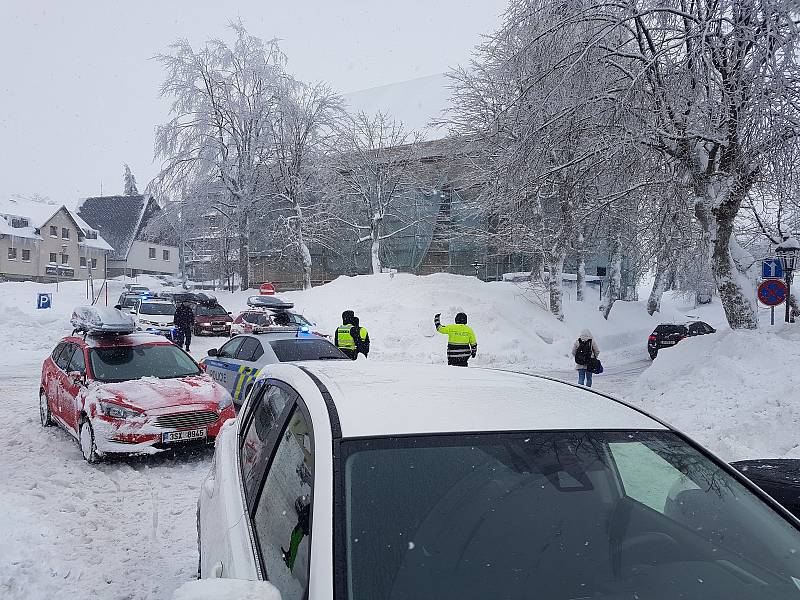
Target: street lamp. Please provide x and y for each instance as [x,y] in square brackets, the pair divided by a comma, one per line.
[788,252]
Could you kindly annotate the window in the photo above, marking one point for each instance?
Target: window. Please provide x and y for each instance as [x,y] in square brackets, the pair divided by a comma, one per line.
[124,363]
[65,259]
[210,311]
[282,519]
[94,263]
[624,510]
[53,257]
[18,222]
[57,351]
[77,362]
[152,253]
[305,348]
[250,350]
[165,255]
[90,234]
[63,358]
[53,231]
[26,255]
[257,443]
[64,233]
[83,262]
[229,349]
[12,254]
[157,308]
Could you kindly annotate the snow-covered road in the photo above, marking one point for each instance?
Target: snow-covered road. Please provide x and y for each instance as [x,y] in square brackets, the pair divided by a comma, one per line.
[120,530]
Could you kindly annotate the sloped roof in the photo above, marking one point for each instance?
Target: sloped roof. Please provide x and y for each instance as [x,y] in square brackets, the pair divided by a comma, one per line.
[117,218]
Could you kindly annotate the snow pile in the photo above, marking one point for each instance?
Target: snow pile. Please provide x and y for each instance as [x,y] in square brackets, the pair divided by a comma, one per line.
[513,330]
[734,392]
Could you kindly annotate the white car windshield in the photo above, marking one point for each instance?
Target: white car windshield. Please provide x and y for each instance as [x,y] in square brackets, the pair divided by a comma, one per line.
[558,516]
[156,308]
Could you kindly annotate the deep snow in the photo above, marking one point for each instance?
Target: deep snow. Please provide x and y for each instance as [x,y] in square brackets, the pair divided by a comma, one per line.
[126,529]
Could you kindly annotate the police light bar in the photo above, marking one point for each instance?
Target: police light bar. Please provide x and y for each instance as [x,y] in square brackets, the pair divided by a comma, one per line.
[269,302]
[100,320]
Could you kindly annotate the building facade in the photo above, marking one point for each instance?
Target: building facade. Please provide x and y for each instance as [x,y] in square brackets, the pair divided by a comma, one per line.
[46,242]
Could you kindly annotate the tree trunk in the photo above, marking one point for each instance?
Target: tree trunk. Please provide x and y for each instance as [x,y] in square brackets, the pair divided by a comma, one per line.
[664,269]
[244,251]
[555,266]
[615,278]
[375,249]
[733,285]
[580,271]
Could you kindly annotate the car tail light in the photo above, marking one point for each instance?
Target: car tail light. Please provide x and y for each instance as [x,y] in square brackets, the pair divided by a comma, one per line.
[652,338]
[202,366]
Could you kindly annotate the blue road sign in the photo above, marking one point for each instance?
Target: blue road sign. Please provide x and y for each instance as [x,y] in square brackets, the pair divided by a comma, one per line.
[771,268]
[44,301]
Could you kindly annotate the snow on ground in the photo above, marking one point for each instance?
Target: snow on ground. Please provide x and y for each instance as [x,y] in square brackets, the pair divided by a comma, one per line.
[126,528]
[734,392]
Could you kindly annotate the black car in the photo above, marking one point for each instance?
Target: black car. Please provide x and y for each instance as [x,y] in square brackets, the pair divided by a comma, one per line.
[779,477]
[669,334]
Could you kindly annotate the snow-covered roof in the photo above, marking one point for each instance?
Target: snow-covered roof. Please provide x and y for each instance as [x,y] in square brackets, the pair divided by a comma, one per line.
[415,103]
[120,219]
[38,213]
[375,398]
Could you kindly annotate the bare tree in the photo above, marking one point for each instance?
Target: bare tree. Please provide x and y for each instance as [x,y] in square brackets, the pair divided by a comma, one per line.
[373,163]
[306,114]
[224,98]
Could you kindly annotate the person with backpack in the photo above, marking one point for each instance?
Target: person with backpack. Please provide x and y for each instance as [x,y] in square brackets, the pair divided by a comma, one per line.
[584,350]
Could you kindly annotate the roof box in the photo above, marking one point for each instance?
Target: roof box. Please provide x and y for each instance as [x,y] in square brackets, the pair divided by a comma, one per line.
[268,302]
[101,320]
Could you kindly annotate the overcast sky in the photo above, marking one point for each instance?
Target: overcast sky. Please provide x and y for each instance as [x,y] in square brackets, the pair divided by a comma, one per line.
[80,90]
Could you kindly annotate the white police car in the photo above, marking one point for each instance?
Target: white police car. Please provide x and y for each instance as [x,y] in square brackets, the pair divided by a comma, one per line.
[361,480]
[238,363]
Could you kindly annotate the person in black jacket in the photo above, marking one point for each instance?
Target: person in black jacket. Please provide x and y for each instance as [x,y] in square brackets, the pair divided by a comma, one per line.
[184,320]
[360,337]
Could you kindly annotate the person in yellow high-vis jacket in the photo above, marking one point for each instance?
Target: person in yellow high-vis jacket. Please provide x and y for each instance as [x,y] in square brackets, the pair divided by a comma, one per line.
[461,341]
[350,337]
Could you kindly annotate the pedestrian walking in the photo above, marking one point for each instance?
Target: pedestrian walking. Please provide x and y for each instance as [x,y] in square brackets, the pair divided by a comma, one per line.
[584,350]
[461,341]
[184,320]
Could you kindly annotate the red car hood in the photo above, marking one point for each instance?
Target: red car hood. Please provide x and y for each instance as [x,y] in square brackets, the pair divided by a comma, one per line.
[150,393]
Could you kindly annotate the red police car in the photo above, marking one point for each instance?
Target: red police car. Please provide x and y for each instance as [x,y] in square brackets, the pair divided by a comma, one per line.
[118,392]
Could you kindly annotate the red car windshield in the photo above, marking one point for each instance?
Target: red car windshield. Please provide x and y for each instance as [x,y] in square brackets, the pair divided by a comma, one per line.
[123,363]
[211,311]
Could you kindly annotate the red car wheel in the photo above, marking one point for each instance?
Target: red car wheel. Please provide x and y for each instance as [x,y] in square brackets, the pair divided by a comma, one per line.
[44,410]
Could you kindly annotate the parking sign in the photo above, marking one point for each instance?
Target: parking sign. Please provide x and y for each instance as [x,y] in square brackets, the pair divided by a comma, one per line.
[44,301]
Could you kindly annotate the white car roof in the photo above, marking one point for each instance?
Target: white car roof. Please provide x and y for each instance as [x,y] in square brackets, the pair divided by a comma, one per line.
[378,399]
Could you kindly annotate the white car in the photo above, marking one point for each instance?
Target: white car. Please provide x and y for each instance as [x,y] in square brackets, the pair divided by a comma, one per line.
[362,480]
[152,314]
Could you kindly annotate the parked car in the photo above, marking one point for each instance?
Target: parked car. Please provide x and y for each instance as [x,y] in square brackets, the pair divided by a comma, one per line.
[266,313]
[154,315]
[211,319]
[119,392]
[477,484]
[136,288]
[779,477]
[238,363]
[669,334]
[129,300]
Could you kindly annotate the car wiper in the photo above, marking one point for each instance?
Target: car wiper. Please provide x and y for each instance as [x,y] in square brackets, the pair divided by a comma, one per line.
[332,358]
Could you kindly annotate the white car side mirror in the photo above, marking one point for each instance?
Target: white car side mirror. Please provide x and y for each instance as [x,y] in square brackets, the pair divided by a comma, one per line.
[226,589]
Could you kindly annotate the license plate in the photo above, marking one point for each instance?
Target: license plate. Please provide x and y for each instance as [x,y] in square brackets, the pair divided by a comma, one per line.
[218,327]
[668,343]
[184,436]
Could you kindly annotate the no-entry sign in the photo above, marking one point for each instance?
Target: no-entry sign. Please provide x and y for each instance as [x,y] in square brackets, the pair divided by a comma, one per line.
[772,292]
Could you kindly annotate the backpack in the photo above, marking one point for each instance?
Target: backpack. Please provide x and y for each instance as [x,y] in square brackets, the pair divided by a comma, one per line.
[584,352]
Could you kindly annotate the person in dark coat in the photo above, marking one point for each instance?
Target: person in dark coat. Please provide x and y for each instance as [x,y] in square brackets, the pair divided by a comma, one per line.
[360,337]
[184,320]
